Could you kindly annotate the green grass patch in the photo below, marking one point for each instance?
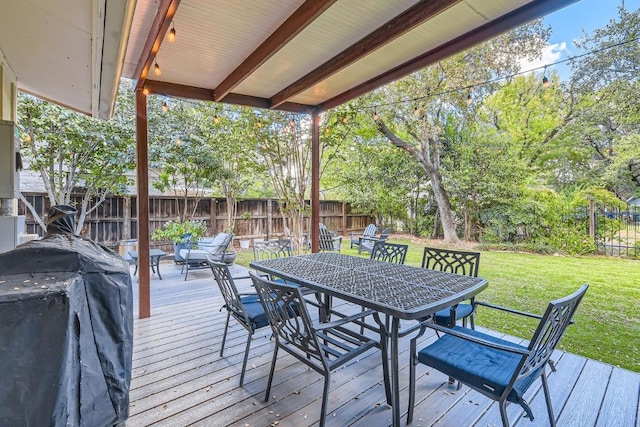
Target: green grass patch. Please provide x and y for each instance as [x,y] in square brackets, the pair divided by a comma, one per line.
[607,323]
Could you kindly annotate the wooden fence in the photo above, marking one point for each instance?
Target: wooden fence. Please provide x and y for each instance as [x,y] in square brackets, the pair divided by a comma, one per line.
[116,219]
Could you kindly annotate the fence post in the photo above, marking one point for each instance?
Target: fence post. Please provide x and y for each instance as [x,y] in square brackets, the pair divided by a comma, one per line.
[126,222]
[592,218]
[344,218]
[213,216]
[269,218]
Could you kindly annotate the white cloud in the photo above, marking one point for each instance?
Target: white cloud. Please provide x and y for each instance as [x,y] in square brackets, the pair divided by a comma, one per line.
[550,54]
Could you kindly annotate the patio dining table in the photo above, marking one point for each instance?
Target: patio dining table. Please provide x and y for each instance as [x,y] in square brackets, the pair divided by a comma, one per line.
[401,292]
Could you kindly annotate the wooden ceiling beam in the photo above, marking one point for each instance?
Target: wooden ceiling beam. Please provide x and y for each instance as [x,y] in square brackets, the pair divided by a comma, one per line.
[535,9]
[202,94]
[298,21]
[396,27]
[166,11]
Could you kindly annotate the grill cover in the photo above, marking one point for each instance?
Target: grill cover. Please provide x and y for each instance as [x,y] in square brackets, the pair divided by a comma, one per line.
[66,336]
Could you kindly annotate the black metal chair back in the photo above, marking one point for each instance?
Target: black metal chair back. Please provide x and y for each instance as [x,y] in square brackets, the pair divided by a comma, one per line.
[289,318]
[229,291]
[245,308]
[323,346]
[270,249]
[450,261]
[497,368]
[389,252]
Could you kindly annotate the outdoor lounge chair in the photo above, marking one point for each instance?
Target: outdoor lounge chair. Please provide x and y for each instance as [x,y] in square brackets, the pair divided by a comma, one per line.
[245,308]
[328,240]
[369,231]
[323,347]
[366,243]
[499,369]
[197,255]
[457,262]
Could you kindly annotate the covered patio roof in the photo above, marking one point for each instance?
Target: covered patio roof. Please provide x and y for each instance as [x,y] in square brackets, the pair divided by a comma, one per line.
[305,55]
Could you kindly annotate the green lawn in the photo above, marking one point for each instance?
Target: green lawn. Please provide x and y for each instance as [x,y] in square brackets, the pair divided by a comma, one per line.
[607,324]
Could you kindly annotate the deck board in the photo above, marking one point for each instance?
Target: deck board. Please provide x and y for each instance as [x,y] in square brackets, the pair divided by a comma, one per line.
[179,378]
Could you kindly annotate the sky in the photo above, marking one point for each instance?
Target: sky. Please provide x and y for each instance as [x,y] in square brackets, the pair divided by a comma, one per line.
[568,24]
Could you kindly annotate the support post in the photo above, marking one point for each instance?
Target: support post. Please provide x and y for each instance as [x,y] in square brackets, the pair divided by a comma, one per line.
[315,182]
[142,174]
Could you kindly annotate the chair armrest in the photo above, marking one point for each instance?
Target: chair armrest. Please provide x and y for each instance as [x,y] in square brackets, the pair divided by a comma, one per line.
[343,320]
[508,310]
[462,335]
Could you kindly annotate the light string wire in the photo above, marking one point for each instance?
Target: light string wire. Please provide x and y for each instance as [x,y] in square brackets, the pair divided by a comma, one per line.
[374,107]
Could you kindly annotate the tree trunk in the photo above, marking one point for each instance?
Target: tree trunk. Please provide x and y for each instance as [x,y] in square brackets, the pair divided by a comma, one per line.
[444,208]
[432,169]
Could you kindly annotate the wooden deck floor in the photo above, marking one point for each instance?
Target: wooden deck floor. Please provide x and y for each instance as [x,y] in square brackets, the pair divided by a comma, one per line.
[180,379]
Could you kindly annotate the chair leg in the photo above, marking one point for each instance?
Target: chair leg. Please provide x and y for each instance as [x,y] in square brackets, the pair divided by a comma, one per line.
[412,379]
[224,336]
[325,398]
[503,413]
[246,357]
[187,270]
[273,369]
[547,396]
[473,325]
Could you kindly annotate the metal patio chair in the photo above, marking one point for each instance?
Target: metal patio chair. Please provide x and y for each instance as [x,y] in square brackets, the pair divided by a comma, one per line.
[322,346]
[499,369]
[244,307]
[389,252]
[457,262]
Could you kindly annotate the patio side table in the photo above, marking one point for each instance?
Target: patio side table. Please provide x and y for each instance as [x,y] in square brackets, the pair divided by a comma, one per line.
[154,260]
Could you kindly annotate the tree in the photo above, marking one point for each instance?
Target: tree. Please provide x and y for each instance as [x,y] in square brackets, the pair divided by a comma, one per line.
[284,147]
[77,154]
[438,104]
[607,120]
[183,147]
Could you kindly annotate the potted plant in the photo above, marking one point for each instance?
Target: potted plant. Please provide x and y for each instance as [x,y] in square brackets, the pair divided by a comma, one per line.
[181,233]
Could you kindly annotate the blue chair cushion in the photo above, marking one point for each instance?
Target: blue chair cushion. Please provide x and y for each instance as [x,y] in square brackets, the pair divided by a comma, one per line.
[478,366]
[254,311]
[443,316]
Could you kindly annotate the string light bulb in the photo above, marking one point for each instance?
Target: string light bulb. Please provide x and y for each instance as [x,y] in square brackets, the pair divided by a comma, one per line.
[292,123]
[416,111]
[376,117]
[165,107]
[469,99]
[171,35]
[259,124]
[156,69]
[545,82]
[345,119]
[216,119]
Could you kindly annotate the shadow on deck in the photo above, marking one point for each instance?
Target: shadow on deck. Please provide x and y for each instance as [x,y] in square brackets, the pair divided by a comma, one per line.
[179,378]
